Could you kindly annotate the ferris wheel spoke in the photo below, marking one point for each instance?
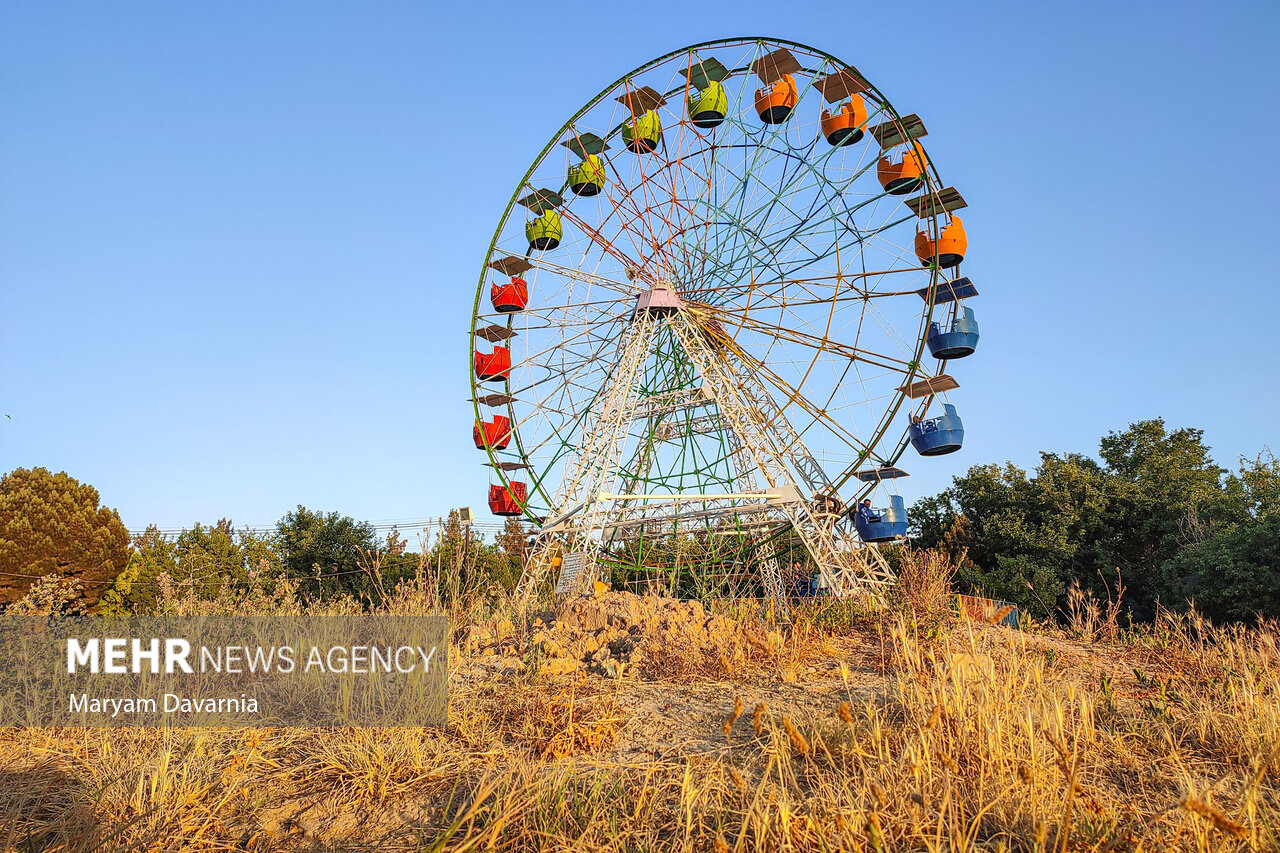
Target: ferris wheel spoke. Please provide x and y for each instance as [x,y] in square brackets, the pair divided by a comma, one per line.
[651,186]
[891,332]
[835,193]
[741,182]
[755,247]
[562,316]
[795,161]
[597,329]
[561,437]
[739,229]
[650,210]
[792,268]
[626,289]
[775,291]
[567,373]
[793,396]
[627,212]
[782,295]
[750,224]
[681,212]
[572,372]
[756,166]
[708,154]
[571,387]
[607,246]
[721,271]
[566,370]
[812,225]
[815,342]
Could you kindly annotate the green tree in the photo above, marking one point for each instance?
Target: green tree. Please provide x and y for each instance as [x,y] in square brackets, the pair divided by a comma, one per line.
[1155,493]
[1014,536]
[53,524]
[135,587]
[329,554]
[449,554]
[513,539]
[1259,485]
[206,560]
[387,564]
[1233,576]
[1163,488]
[512,544]
[469,566]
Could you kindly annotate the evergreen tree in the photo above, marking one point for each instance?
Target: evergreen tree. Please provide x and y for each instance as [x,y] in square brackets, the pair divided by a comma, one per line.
[53,524]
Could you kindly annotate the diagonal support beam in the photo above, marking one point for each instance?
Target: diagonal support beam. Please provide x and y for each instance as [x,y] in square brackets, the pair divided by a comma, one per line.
[594,464]
[762,430]
[762,445]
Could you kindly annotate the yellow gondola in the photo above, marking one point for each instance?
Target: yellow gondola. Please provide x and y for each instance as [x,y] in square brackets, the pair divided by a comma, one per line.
[643,133]
[587,178]
[708,107]
[545,231]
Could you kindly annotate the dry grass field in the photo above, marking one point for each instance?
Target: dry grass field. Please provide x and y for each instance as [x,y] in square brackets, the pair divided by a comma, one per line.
[633,724]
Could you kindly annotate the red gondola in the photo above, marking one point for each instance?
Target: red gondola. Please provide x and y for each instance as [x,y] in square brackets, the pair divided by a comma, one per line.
[495,433]
[509,297]
[493,365]
[507,501]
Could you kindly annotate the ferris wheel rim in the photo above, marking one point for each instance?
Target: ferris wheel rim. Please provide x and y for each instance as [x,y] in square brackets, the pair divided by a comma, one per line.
[931,181]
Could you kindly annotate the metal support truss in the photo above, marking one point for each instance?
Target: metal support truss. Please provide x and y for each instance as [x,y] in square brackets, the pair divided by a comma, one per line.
[672,401]
[762,431]
[761,443]
[593,465]
[702,425]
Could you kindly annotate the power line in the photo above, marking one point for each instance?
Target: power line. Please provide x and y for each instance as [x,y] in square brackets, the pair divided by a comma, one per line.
[179,581]
[379,526]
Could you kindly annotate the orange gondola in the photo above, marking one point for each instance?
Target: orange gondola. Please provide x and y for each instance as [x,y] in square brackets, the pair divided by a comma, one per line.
[844,126]
[949,249]
[775,103]
[904,176]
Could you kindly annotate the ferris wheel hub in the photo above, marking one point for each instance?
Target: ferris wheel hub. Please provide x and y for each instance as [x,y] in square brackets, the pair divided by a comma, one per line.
[659,299]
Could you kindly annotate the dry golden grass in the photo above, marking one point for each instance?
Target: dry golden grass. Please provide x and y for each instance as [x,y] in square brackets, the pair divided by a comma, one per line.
[972,738]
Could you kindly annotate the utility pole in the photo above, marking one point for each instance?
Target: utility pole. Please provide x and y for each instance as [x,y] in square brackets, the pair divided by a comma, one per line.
[464,515]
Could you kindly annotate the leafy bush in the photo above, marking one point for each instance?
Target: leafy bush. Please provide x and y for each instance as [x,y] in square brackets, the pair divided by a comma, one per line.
[1234,576]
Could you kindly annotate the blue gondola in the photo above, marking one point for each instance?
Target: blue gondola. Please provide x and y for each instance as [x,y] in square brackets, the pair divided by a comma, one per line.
[962,340]
[883,525]
[939,435]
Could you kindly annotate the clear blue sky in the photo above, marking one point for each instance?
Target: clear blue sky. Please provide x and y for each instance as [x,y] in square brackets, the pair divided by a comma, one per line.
[239,242]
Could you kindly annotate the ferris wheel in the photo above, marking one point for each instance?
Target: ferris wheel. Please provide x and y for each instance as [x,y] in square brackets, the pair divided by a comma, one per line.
[717,310]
